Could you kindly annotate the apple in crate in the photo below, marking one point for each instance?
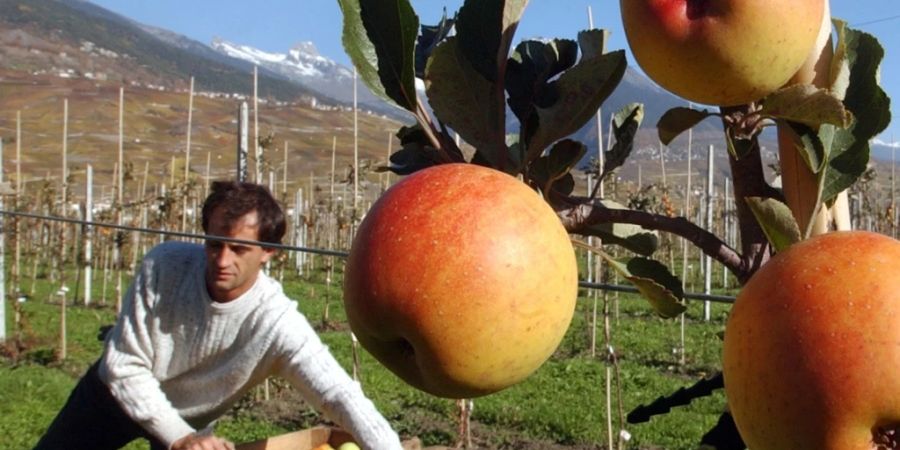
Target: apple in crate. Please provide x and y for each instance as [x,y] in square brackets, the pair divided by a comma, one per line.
[461,280]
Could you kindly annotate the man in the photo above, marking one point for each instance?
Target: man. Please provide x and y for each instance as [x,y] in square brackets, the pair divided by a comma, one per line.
[199,327]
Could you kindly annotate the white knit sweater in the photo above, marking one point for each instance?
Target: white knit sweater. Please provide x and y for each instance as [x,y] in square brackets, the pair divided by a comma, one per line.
[176,360]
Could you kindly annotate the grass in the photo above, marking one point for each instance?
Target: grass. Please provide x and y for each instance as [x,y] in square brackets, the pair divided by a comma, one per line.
[563,403]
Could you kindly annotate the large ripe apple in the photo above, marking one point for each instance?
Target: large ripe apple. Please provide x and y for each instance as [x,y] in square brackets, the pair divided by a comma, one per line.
[721,52]
[461,280]
[812,347]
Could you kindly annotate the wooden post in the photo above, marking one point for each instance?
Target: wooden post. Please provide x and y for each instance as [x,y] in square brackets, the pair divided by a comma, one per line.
[707,286]
[207,177]
[284,175]
[17,266]
[355,142]
[333,155]
[242,172]
[64,185]
[88,233]
[187,159]
[726,213]
[120,200]
[62,324]
[257,158]
[187,148]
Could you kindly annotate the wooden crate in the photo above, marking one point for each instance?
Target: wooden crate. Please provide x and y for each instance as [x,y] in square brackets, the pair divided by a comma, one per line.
[314,437]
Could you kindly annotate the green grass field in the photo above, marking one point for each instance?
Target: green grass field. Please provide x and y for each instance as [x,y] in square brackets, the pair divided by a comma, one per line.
[563,405]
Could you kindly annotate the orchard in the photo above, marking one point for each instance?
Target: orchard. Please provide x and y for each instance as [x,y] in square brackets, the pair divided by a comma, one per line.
[477,283]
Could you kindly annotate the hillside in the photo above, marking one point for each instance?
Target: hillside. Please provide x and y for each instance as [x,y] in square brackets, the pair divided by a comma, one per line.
[155,130]
[80,39]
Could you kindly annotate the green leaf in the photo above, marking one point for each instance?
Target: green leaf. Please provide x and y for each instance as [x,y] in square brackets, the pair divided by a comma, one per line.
[654,281]
[625,126]
[870,107]
[416,152]
[429,38]
[812,149]
[579,93]
[776,220]
[463,100]
[630,237]
[806,104]
[485,29]
[678,120]
[531,66]
[380,38]
[359,48]
[839,77]
[738,147]
[558,163]
[593,44]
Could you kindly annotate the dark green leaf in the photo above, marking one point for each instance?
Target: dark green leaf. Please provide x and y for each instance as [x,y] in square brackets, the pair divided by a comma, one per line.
[678,120]
[579,91]
[739,147]
[811,148]
[411,158]
[463,100]
[839,77]
[531,66]
[776,221]
[390,28]
[625,126]
[806,104]
[654,281]
[593,42]
[431,36]
[558,162]
[869,105]
[485,29]
[359,48]
[416,153]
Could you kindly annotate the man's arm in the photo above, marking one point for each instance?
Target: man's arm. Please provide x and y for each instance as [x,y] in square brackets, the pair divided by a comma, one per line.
[310,367]
[126,365]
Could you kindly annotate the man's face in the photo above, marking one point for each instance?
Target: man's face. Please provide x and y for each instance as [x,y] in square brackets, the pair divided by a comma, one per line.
[231,269]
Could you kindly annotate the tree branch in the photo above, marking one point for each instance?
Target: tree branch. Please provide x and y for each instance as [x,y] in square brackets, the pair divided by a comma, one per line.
[581,214]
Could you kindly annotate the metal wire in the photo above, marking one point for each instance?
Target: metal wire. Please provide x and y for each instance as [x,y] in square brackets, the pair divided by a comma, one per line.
[317,251]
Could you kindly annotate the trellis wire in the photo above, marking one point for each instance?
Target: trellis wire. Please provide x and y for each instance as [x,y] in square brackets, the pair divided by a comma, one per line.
[317,251]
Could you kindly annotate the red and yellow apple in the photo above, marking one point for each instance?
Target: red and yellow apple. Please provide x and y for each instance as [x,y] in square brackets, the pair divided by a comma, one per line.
[812,347]
[721,52]
[461,280]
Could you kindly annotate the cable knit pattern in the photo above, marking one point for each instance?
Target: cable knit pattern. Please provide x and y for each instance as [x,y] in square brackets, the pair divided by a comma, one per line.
[176,360]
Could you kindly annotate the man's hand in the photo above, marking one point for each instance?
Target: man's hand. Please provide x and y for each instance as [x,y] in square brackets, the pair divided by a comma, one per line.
[202,442]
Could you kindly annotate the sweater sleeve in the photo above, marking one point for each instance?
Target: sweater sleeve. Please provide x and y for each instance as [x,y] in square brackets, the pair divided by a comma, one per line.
[310,367]
[127,361]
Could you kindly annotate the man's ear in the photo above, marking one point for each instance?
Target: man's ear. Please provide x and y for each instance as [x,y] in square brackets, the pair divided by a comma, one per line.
[268,253]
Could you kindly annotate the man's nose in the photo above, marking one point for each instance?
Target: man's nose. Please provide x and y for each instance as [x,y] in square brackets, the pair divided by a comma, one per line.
[224,257]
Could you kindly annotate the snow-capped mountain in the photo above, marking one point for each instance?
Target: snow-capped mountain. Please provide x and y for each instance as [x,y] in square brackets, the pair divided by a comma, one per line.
[304,65]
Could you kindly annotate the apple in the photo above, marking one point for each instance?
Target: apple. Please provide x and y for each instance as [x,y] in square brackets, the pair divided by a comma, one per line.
[812,347]
[461,280]
[721,52]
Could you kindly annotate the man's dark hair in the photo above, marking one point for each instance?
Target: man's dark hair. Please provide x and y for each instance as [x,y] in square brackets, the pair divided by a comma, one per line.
[238,198]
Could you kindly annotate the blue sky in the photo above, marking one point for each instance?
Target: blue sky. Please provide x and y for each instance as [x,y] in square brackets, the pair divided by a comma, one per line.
[275,25]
